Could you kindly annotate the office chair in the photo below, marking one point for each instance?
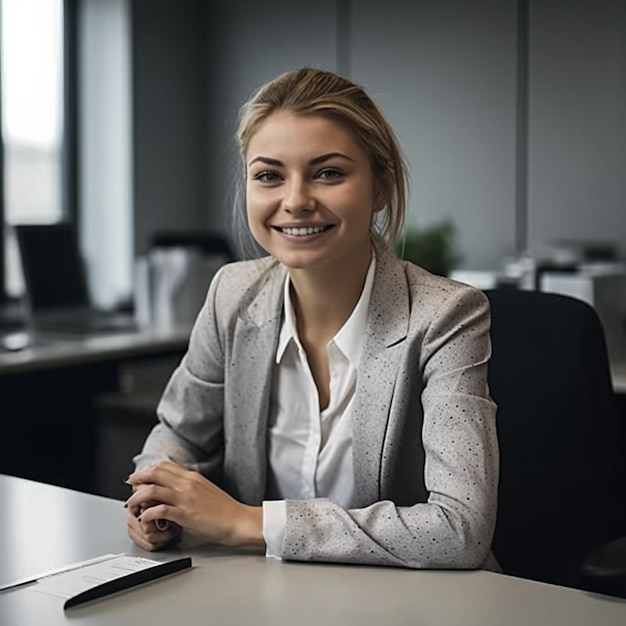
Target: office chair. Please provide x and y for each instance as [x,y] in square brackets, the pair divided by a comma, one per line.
[558,429]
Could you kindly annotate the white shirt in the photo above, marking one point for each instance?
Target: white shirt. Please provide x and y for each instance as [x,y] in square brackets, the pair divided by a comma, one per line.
[310,451]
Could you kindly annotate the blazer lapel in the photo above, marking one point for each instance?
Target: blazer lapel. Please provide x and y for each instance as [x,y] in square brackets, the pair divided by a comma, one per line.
[387,327]
[253,355]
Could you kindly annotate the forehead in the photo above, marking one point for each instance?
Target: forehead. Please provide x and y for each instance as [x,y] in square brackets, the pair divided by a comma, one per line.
[288,133]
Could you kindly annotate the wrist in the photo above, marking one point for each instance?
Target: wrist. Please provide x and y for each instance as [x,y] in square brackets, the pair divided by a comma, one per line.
[250,527]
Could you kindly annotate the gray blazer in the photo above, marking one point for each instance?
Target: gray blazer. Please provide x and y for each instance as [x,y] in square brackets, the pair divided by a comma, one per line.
[424,439]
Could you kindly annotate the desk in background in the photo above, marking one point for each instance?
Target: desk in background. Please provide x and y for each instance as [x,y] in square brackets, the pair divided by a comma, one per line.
[44,527]
[50,426]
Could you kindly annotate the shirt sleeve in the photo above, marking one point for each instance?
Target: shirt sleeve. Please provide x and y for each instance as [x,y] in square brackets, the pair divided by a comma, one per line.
[274,522]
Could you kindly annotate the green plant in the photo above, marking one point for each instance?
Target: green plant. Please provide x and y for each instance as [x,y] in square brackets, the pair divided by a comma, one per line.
[433,247]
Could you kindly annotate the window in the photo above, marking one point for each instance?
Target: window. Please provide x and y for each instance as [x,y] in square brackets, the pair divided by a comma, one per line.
[35,132]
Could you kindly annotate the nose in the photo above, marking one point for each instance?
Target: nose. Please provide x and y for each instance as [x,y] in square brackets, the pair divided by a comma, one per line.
[298,197]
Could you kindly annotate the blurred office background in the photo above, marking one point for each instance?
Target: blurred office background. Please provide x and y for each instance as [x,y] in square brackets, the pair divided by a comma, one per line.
[511,114]
[118,116]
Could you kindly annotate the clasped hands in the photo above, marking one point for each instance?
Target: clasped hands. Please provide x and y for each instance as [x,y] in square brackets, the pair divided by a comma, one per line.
[186,499]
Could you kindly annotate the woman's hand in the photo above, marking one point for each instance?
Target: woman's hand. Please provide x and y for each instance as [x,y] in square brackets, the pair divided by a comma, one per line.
[186,499]
[148,536]
[151,535]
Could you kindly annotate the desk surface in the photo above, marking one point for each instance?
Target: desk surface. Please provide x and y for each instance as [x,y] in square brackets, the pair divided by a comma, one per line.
[43,527]
[54,352]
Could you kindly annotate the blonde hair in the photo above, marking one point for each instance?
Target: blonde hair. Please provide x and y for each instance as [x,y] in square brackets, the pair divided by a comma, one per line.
[310,91]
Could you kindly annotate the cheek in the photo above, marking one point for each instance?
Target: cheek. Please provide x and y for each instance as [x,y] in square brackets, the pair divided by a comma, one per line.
[260,203]
[365,208]
[251,203]
[256,214]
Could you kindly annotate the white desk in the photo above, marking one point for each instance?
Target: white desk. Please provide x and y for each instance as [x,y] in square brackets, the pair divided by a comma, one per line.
[53,352]
[42,527]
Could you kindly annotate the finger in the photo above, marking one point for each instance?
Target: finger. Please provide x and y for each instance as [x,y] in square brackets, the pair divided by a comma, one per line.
[161,524]
[149,495]
[137,486]
[144,541]
[133,509]
[160,513]
[160,538]
[157,537]
[162,473]
[149,534]
[137,509]
[141,541]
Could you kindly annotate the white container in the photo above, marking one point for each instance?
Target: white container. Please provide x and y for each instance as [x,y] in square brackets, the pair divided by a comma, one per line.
[171,284]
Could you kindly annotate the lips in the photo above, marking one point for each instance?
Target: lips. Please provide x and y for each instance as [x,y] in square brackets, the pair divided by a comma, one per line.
[303,231]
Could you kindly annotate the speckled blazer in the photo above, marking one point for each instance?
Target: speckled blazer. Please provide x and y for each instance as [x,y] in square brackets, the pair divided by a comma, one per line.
[424,437]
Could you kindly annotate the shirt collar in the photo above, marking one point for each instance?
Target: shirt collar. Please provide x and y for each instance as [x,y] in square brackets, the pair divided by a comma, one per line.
[288,330]
[349,338]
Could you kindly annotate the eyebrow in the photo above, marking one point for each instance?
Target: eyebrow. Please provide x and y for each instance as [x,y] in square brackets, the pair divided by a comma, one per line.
[316,161]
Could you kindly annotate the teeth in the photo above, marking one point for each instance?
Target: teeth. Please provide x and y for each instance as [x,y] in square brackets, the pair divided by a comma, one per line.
[305,230]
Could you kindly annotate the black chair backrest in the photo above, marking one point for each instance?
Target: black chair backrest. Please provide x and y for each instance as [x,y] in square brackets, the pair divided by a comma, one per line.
[558,429]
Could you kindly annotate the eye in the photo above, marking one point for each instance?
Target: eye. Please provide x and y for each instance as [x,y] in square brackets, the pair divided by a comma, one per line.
[266,176]
[330,174]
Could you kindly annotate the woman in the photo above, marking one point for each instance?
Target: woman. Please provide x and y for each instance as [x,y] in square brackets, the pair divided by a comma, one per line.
[333,401]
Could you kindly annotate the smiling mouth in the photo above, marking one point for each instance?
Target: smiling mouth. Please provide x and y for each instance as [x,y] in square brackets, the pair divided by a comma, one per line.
[303,231]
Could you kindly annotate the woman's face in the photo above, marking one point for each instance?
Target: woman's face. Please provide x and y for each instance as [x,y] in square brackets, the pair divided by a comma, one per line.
[310,193]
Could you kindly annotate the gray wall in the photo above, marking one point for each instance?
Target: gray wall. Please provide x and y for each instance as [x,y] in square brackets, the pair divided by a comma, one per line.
[444,72]
[169,116]
[248,43]
[577,139]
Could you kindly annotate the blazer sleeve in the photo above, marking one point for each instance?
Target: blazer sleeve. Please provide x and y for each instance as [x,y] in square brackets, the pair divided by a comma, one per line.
[454,527]
[190,412]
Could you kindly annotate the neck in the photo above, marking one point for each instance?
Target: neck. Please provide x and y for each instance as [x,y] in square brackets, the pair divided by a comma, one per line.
[323,304]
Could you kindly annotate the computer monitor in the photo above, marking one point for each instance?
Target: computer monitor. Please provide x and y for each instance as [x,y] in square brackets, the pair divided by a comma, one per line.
[53,268]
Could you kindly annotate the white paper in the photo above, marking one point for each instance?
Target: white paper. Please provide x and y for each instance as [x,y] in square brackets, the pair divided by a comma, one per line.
[69,584]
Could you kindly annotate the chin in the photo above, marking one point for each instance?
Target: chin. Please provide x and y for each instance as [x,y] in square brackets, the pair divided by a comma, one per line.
[298,261]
